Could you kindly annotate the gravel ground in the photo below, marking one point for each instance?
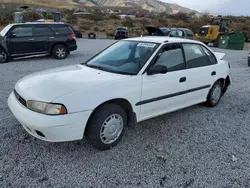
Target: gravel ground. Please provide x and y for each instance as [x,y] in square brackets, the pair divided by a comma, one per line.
[195,147]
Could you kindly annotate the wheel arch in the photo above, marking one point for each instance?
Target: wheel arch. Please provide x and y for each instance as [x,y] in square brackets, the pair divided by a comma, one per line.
[225,83]
[125,104]
[56,43]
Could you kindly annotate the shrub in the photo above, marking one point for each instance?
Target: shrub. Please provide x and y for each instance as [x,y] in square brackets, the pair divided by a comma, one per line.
[128,22]
[145,22]
[96,29]
[83,27]
[114,17]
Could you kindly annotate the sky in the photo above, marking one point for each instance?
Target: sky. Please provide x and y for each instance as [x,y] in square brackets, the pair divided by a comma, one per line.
[224,7]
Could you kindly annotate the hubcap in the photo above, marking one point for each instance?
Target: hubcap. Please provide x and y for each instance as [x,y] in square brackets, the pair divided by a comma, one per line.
[216,94]
[111,129]
[60,52]
[3,57]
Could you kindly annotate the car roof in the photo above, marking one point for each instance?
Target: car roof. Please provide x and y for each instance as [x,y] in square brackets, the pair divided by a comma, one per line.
[162,39]
[38,23]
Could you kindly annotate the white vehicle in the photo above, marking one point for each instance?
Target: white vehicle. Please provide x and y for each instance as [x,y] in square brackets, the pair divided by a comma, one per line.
[132,80]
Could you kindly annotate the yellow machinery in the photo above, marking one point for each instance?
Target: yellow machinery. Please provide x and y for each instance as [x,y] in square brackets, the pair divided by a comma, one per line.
[210,33]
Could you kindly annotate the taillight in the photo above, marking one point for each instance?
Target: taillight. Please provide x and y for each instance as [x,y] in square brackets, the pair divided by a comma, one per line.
[73,35]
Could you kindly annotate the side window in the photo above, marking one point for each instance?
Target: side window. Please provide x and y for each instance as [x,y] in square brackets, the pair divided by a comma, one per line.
[61,30]
[173,33]
[181,33]
[172,58]
[22,31]
[42,31]
[189,33]
[195,56]
[210,55]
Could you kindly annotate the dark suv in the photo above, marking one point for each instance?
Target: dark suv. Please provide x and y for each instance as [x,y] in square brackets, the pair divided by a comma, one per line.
[121,33]
[34,38]
[170,32]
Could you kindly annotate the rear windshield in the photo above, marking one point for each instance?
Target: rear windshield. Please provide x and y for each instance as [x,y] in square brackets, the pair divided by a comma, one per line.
[61,29]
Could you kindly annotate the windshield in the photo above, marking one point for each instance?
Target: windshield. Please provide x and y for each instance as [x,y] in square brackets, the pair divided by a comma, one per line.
[5,30]
[124,57]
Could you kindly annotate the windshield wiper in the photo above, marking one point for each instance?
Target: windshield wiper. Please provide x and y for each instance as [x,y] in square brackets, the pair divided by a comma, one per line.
[95,67]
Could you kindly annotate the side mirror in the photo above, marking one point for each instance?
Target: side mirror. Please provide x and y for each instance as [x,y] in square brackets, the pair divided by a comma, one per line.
[157,69]
[12,35]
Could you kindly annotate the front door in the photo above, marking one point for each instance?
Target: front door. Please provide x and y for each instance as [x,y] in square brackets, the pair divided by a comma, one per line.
[163,93]
[20,40]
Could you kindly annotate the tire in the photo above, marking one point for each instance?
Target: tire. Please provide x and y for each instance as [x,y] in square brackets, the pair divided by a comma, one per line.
[249,62]
[3,57]
[216,42]
[60,51]
[214,94]
[95,131]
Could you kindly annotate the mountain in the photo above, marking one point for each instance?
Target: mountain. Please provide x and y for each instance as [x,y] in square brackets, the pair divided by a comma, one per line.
[151,5]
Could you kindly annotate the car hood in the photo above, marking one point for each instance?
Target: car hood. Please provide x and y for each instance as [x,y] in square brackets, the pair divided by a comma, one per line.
[53,83]
[153,30]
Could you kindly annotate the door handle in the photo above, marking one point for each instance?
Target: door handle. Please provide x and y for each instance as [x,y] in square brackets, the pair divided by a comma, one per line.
[213,73]
[183,79]
[31,39]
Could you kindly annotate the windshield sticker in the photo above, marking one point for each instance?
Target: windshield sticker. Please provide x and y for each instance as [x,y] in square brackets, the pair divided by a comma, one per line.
[149,45]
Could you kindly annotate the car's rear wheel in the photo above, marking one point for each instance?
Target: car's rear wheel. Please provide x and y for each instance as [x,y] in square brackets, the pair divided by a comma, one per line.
[3,56]
[60,51]
[214,94]
[106,126]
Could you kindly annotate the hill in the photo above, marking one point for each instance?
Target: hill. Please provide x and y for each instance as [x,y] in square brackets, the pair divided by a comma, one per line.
[151,5]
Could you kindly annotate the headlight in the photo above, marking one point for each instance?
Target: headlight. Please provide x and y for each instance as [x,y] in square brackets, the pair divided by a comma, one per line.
[46,108]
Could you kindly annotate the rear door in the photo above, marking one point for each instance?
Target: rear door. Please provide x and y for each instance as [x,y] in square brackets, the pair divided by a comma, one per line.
[20,40]
[43,36]
[64,33]
[201,66]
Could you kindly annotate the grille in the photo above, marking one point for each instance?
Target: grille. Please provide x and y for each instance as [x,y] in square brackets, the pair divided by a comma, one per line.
[20,99]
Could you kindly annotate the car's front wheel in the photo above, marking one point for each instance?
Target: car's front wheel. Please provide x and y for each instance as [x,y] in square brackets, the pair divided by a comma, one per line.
[60,51]
[215,94]
[106,126]
[3,56]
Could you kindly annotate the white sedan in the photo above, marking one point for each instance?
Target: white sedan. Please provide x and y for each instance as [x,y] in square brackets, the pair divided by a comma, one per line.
[130,81]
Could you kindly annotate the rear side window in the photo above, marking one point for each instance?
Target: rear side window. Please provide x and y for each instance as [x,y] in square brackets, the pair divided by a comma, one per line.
[61,29]
[22,31]
[181,33]
[189,33]
[210,55]
[42,31]
[195,56]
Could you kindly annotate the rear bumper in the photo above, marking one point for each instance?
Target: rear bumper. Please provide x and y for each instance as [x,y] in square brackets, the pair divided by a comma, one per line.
[60,128]
[72,47]
[227,84]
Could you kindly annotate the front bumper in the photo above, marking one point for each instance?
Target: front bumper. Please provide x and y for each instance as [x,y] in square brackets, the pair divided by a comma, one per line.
[49,128]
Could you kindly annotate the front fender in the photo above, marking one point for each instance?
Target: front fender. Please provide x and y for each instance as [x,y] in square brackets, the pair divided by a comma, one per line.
[89,99]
